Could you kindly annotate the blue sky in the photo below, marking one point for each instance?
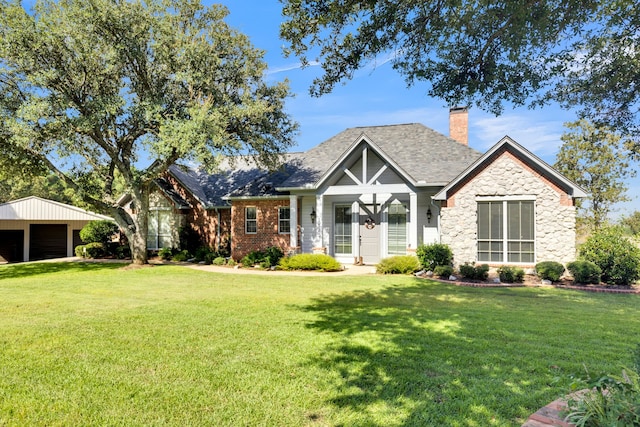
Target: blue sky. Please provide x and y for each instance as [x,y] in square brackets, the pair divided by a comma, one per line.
[379,96]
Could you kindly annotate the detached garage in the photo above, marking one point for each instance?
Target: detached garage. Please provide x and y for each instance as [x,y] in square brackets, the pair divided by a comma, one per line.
[35,229]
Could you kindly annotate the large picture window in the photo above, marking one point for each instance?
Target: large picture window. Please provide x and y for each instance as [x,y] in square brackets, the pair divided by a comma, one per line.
[284,220]
[159,229]
[506,231]
[397,229]
[342,230]
[250,220]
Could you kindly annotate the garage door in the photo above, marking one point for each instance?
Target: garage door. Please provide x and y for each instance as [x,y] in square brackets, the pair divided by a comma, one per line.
[11,245]
[48,241]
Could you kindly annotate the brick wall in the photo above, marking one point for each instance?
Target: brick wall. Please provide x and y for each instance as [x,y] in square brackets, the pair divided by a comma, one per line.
[267,227]
[205,221]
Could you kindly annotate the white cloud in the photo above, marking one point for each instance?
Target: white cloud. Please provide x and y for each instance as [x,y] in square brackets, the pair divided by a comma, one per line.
[537,134]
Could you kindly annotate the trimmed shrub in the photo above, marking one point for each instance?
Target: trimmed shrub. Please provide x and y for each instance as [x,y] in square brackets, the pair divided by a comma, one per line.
[474,272]
[617,256]
[318,262]
[219,261]
[123,251]
[549,270]
[443,271]
[101,231]
[273,255]
[433,255]
[94,250]
[79,251]
[400,264]
[511,274]
[584,271]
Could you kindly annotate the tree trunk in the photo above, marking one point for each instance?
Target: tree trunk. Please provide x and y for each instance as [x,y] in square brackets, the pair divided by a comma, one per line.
[135,226]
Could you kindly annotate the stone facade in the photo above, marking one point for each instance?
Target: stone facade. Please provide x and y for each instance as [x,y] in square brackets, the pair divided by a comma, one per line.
[508,175]
[266,235]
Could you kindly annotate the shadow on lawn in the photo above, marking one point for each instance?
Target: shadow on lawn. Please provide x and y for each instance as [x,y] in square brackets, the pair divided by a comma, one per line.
[13,271]
[421,354]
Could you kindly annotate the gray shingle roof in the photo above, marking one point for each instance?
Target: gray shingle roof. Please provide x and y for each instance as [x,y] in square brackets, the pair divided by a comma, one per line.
[425,155]
[242,178]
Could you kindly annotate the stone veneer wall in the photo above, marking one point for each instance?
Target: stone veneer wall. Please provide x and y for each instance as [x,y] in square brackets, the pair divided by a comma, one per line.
[267,234]
[507,175]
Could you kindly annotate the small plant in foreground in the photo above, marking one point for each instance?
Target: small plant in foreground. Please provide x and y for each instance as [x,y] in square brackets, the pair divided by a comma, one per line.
[443,271]
[511,274]
[474,272]
[433,255]
[585,272]
[400,264]
[608,400]
[319,262]
[549,270]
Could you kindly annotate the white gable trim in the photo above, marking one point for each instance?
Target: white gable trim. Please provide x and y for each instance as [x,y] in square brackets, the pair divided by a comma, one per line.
[362,139]
[576,190]
[35,208]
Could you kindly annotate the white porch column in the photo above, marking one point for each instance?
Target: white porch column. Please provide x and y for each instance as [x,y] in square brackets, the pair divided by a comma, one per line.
[318,243]
[355,229]
[293,222]
[413,219]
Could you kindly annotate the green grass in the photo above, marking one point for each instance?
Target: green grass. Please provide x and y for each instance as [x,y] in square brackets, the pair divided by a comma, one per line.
[93,344]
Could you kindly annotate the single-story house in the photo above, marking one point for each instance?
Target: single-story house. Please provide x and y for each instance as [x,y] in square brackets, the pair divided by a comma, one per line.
[34,229]
[372,192]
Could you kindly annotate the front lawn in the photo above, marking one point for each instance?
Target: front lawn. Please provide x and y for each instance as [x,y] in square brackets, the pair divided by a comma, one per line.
[94,344]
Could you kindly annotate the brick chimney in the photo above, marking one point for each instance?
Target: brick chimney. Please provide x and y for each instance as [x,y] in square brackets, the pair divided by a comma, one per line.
[459,124]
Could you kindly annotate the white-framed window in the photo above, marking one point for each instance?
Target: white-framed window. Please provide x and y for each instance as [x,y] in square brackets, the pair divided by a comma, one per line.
[159,229]
[250,220]
[284,220]
[342,230]
[397,229]
[506,231]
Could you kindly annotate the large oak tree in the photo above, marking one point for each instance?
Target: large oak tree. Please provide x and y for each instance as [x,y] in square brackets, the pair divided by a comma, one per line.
[99,90]
[581,53]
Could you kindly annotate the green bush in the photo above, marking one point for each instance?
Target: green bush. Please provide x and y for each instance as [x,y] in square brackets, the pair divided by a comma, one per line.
[549,270]
[400,264]
[79,251]
[319,262]
[474,272]
[433,255]
[443,271]
[266,258]
[94,250]
[202,252]
[617,256]
[182,256]
[101,231]
[511,274]
[584,272]
[165,253]
[219,261]
[123,251]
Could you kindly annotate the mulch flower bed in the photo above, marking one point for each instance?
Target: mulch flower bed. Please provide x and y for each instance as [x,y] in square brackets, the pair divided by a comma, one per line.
[533,280]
